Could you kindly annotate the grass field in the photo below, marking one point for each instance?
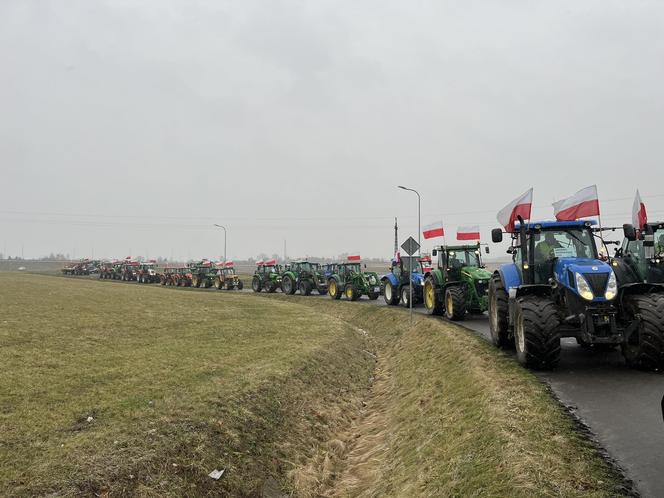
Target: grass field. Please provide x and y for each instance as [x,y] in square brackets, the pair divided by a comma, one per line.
[121,390]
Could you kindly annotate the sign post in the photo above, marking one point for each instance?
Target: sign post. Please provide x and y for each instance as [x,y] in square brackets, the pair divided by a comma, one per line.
[411,247]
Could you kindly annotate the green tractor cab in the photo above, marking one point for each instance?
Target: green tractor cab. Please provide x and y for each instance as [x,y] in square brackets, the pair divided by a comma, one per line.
[349,280]
[267,276]
[303,276]
[226,277]
[458,284]
[202,274]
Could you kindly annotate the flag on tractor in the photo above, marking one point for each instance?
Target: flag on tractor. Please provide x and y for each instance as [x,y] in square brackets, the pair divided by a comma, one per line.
[521,206]
[583,204]
[639,214]
[469,232]
[433,230]
[354,257]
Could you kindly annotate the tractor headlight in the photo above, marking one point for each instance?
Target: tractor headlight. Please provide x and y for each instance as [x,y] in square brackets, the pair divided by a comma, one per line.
[611,287]
[372,280]
[583,288]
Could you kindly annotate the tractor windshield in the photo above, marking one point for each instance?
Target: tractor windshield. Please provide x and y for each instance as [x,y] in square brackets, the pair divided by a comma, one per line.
[568,243]
[353,267]
[411,263]
[464,257]
[305,267]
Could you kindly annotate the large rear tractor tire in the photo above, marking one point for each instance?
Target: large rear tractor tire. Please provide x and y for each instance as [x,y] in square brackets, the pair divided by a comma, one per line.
[432,301]
[334,290]
[390,294]
[535,332]
[455,303]
[351,292]
[645,347]
[498,311]
[288,286]
[256,284]
[240,285]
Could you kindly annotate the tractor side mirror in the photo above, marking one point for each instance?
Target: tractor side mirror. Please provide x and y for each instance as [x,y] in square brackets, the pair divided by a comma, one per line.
[434,252]
[630,232]
[487,250]
[365,266]
[497,235]
[511,250]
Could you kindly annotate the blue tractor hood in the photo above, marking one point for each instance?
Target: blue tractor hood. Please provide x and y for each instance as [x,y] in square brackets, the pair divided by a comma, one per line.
[596,273]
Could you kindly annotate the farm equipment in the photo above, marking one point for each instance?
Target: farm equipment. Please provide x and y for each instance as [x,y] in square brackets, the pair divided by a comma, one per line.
[202,274]
[351,281]
[170,275]
[267,276]
[303,276]
[83,267]
[639,268]
[459,283]
[129,270]
[555,287]
[108,269]
[396,284]
[226,277]
[146,273]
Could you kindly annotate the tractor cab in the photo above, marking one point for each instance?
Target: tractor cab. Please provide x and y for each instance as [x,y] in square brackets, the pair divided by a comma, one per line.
[640,259]
[457,259]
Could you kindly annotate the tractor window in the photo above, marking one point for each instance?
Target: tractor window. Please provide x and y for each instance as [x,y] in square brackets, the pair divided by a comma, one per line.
[463,257]
[563,244]
[410,264]
[659,242]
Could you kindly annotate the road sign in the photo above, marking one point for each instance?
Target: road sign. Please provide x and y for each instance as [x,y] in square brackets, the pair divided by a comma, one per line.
[410,246]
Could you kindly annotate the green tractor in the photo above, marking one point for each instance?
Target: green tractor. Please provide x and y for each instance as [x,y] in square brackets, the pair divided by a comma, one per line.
[459,284]
[351,281]
[267,276]
[226,277]
[303,276]
[202,274]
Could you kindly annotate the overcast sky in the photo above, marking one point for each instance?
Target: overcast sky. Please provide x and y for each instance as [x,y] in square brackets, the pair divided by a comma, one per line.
[130,127]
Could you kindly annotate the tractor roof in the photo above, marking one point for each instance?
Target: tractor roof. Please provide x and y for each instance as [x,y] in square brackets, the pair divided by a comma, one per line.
[556,224]
[462,247]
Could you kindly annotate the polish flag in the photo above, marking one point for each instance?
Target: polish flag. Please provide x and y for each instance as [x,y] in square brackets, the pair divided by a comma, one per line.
[521,206]
[468,232]
[433,230]
[228,264]
[271,262]
[260,263]
[639,214]
[354,257]
[581,205]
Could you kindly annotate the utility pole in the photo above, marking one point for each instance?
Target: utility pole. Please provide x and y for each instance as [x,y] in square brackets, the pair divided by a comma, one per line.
[396,237]
[285,257]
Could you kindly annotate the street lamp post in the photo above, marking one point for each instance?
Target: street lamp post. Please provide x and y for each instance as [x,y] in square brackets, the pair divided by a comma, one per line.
[221,226]
[419,243]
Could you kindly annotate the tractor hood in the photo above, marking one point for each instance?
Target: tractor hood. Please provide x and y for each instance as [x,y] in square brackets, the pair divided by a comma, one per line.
[597,274]
[417,278]
[476,273]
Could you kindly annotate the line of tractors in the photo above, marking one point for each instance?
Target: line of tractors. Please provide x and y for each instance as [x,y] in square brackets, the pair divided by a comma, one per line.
[558,285]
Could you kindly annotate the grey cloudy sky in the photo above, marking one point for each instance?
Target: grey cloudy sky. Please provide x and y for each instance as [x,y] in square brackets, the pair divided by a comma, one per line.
[132,126]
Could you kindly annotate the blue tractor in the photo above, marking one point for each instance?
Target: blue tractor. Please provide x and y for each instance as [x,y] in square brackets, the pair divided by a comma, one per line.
[556,286]
[396,284]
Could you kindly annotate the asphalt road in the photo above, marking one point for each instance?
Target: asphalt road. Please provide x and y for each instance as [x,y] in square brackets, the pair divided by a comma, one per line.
[621,406]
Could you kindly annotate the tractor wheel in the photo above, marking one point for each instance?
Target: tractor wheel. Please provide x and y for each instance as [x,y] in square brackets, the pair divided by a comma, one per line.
[352,294]
[240,285]
[256,284]
[498,314]
[288,286]
[405,296]
[645,347]
[194,281]
[305,288]
[390,294]
[229,284]
[535,332]
[322,291]
[455,303]
[333,289]
[432,301]
[269,286]
[373,295]
[217,283]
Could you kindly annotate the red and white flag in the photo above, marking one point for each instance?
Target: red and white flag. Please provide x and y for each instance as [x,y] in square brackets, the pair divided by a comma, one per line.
[583,204]
[639,215]
[260,262]
[271,262]
[354,257]
[521,206]
[471,232]
[433,230]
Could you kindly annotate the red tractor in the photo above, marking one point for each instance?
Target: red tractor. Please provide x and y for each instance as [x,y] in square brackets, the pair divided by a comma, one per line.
[146,273]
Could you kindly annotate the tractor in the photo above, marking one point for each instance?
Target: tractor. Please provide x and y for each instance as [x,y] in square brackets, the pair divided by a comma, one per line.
[351,281]
[107,270]
[303,276]
[396,284]
[267,276]
[183,277]
[128,270]
[146,273]
[226,277]
[202,274]
[459,283]
[83,267]
[639,268]
[169,276]
[556,286]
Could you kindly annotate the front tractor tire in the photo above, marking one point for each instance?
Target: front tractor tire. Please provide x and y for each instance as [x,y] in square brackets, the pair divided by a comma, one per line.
[269,287]
[334,290]
[405,296]
[390,294]
[217,283]
[645,347]
[432,301]
[352,294]
[535,333]
[240,285]
[455,303]
[288,286]
[256,284]
[498,321]
[305,288]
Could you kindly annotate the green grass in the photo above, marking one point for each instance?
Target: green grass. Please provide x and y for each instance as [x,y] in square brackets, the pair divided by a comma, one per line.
[291,395]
